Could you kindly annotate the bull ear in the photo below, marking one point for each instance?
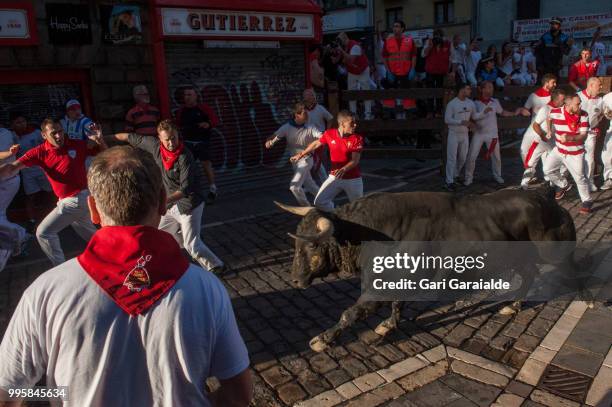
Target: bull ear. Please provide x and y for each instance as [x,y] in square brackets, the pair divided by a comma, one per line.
[296,210]
[325,229]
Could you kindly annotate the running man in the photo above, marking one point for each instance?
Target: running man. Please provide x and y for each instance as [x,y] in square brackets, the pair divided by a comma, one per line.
[298,135]
[592,103]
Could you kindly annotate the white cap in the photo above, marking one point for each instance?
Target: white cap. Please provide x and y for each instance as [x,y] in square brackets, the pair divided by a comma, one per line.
[71,103]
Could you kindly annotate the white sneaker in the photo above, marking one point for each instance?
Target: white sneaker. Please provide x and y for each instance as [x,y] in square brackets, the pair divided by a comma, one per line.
[500,180]
[606,185]
[467,183]
[593,187]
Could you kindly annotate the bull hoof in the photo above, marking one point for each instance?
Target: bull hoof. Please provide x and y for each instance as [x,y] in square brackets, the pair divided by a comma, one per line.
[382,329]
[511,309]
[317,344]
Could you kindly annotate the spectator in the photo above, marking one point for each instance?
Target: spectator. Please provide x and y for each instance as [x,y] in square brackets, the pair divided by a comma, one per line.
[130,322]
[550,49]
[143,117]
[505,59]
[75,123]
[492,52]
[598,50]
[525,70]
[317,74]
[196,121]
[331,62]
[35,185]
[458,57]
[321,119]
[358,67]
[472,61]
[581,71]
[399,54]
[421,75]
[489,72]
[437,62]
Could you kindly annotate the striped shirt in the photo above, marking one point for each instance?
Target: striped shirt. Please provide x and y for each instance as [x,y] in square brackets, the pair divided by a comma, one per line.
[142,119]
[562,127]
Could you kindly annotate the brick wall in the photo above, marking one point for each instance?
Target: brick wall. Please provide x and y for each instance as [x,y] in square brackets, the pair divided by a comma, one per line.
[113,69]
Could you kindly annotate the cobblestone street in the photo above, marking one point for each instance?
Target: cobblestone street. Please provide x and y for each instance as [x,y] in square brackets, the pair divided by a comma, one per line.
[552,354]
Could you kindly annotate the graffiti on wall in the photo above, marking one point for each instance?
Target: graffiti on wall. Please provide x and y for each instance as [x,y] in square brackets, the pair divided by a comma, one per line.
[36,102]
[251,102]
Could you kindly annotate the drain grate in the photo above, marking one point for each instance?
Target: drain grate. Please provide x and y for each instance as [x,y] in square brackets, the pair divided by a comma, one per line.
[565,383]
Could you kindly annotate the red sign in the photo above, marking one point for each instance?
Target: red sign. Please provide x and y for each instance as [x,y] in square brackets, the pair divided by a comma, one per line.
[17,24]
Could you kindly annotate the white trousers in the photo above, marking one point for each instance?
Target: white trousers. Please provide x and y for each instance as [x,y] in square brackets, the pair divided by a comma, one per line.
[72,211]
[8,190]
[302,180]
[190,225]
[457,146]
[524,79]
[589,157]
[475,146]
[576,167]
[353,188]
[606,155]
[532,151]
[360,82]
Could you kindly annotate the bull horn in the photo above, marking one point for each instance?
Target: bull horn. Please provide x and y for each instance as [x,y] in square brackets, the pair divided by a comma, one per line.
[325,228]
[296,210]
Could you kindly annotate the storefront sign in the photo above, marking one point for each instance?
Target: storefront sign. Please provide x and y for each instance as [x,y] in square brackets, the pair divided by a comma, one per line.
[218,23]
[68,24]
[17,25]
[575,26]
[121,24]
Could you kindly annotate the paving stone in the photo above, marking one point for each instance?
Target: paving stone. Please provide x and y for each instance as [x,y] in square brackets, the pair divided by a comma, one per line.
[515,358]
[540,327]
[559,333]
[388,391]
[600,393]
[435,394]
[514,330]
[337,376]
[366,400]
[477,320]
[390,353]
[501,342]
[480,362]
[435,354]
[543,355]
[526,343]
[481,394]
[474,346]
[548,399]
[368,382]
[322,363]
[262,361]
[489,330]
[348,390]
[531,372]
[518,388]
[551,313]
[462,402]
[328,399]
[276,376]
[312,382]
[508,400]
[479,374]
[353,366]
[401,369]
[578,360]
[590,341]
[424,376]
[409,347]
[291,393]
[458,335]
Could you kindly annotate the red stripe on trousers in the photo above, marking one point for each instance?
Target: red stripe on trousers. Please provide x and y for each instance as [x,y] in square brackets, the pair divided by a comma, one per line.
[532,148]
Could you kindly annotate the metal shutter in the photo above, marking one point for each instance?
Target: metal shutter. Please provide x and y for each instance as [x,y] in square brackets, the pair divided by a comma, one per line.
[36,102]
[251,90]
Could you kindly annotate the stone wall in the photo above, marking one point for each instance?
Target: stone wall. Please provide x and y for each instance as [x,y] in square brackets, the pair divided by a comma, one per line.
[113,69]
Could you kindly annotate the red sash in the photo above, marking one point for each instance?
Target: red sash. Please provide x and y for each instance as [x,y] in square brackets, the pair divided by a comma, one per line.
[134,265]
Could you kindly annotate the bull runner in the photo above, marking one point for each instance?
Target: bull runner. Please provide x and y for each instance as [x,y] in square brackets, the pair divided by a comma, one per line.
[183,181]
[592,103]
[345,150]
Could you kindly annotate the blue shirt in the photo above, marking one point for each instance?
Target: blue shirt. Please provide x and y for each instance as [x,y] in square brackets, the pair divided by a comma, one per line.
[77,129]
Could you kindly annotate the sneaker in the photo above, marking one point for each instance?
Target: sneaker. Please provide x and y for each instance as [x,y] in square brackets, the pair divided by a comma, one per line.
[586,208]
[561,192]
[451,187]
[467,183]
[593,187]
[606,185]
[211,198]
[500,180]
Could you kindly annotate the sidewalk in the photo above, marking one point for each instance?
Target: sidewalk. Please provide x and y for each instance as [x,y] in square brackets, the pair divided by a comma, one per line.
[555,353]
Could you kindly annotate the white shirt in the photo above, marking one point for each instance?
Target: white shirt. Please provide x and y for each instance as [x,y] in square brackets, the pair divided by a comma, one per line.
[471,61]
[607,106]
[458,110]
[507,66]
[7,139]
[487,123]
[599,53]
[522,61]
[457,54]
[594,108]
[298,138]
[67,328]
[535,103]
[541,119]
[318,117]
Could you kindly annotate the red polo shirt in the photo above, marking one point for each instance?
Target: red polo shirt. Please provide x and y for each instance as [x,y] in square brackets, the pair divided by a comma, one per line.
[64,166]
[341,149]
[580,72]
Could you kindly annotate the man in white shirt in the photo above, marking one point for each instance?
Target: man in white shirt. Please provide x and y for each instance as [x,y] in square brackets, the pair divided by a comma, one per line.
[536,140]
[298,135]
[129,322]
[321,119]
[472,59]
[591,103]
[524,61]
[458,54]
[458,115]
[606,154]
[485,132]
[541,96]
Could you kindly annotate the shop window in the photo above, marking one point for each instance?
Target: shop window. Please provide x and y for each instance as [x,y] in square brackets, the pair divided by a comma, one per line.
[329,5]
[444,12]
[393,15]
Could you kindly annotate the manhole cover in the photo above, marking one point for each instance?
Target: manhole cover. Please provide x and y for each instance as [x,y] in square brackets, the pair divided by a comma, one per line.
[565,383]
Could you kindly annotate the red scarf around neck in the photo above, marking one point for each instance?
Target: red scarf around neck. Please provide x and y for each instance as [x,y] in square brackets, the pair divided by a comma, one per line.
[134,265]
[542,92]
[485,100]
[551,104]
[573,120]
[170,157]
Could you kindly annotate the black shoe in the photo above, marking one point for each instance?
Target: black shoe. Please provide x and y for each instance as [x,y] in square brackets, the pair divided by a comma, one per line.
[211,198]
[450,187]
[219,270]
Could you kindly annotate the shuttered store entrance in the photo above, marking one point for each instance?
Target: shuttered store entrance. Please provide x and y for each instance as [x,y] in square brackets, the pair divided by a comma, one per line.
[251,90]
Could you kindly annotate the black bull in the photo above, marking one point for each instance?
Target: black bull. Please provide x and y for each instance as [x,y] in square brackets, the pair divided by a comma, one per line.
[328,242]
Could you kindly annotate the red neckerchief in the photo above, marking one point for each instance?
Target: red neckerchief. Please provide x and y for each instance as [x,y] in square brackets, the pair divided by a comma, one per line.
[485,100]
[170,157]
[572,120]
[27,130]
[586,94]
[134,265]
[551,104]
[542,93]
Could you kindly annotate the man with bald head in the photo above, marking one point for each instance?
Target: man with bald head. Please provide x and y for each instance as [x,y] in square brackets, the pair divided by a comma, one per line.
[129,322]
[143,117]
[320,118]
[592,103]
